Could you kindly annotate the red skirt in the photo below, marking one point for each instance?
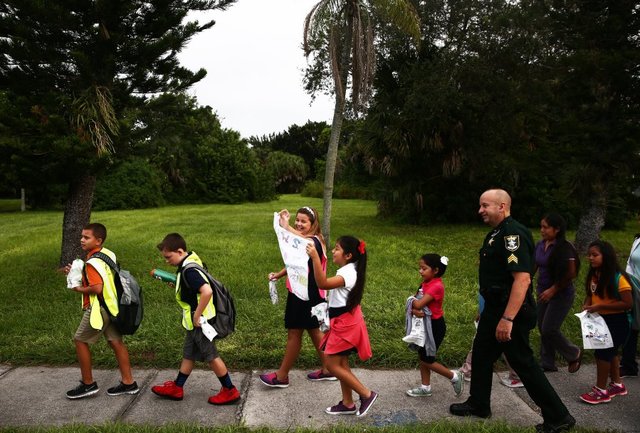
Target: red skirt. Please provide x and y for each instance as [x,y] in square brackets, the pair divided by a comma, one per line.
[347,331]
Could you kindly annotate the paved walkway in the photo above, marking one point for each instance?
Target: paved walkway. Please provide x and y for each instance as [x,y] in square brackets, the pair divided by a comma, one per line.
[35,396]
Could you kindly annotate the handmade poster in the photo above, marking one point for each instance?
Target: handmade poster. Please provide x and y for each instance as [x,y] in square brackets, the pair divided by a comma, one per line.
[293,249]
[595,332]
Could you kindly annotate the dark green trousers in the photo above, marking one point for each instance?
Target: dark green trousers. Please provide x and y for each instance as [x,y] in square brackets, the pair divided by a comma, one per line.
[487,350]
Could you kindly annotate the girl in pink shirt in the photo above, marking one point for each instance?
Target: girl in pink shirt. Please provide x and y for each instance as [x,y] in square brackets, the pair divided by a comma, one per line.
[431,295]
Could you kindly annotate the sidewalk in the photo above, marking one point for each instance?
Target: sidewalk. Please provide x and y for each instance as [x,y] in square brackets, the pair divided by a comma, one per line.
[35,396]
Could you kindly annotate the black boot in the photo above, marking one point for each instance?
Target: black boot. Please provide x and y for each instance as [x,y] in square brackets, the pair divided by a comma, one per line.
[467,409]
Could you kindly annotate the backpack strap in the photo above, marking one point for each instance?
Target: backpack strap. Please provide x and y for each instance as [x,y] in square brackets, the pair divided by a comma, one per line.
[105,258]
[616,293]
[193,265]
[116,279]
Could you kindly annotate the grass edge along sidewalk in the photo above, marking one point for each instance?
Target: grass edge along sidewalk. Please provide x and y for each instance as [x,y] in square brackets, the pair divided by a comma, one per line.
[300,406]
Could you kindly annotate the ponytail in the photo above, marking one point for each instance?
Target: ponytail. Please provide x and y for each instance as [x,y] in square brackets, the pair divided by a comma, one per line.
[357,249]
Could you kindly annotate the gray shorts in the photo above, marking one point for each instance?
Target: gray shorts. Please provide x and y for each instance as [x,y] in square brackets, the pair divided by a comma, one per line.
[197,347]
[87,334]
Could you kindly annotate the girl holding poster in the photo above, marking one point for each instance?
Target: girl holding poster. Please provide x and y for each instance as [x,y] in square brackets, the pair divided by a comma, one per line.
[297,316]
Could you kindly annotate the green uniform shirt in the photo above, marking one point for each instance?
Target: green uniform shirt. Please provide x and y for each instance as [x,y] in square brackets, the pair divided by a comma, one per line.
[507,248]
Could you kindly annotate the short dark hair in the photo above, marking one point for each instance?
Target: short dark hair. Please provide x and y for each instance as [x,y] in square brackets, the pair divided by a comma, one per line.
[99,230]
[173,242]
[434,261]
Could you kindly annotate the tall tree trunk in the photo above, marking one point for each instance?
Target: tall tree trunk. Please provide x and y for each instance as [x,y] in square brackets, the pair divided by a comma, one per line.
[592,220]
[336,129]
[330,168]
[77,213]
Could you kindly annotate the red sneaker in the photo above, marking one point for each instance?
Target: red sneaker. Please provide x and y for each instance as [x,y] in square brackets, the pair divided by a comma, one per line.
[615,389]
[225,396]
[168,390]
[596,396]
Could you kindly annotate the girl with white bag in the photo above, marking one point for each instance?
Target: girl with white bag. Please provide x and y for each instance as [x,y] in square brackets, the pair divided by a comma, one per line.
[431,295]
[608,293]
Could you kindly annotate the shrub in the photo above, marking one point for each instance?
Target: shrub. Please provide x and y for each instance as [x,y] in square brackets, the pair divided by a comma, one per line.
[315,189]
[134,184]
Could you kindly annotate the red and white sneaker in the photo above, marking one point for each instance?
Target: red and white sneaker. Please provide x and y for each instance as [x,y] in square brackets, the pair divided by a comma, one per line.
[225,396]
[168,390]
[615,389]
[596,396]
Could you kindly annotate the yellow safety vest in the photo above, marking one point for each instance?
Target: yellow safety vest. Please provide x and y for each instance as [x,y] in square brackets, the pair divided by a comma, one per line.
[109,292]
[187,315]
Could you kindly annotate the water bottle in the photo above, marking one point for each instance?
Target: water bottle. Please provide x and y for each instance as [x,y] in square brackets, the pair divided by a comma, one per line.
[167,277]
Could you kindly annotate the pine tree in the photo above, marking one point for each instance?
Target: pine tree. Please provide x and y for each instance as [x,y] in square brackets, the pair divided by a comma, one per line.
[73,70]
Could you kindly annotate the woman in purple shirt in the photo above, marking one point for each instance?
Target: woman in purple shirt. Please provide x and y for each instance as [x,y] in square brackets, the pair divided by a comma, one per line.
[557,264]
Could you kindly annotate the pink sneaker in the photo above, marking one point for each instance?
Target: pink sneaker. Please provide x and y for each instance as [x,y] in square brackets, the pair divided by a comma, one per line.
[596,396]
[318,375]
[615,389]
[271,380]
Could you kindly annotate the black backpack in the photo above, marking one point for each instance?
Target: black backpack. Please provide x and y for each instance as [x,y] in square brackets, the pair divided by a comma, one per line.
[224,322]
[129,294]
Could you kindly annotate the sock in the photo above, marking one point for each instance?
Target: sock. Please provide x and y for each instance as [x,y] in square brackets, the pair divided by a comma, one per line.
[181,379]
[602,390]
[225,381]
[426,387]
[454,379]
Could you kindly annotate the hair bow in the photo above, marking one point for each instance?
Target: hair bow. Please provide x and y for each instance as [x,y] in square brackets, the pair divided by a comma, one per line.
[361,247]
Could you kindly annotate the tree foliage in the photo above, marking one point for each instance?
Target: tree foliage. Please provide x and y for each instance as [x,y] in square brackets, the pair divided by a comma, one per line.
[539,98]
[202,162]
[71,68]
[308,141]
[341,36]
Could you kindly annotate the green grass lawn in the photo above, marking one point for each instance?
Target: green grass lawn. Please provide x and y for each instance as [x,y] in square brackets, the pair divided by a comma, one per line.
[38,315]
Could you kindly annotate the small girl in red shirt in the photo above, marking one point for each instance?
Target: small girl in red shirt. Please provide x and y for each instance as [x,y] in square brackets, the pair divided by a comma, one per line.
[431,294]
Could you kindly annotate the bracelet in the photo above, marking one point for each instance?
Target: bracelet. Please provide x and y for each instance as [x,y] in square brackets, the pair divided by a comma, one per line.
[508,319]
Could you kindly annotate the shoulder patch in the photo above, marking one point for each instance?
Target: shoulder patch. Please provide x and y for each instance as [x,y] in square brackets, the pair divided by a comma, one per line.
[512,259]
[512,242]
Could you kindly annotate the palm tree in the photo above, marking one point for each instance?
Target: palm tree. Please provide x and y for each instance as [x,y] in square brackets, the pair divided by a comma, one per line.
[340,33]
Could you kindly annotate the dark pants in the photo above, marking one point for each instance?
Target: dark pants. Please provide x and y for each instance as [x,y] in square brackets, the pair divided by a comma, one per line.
[628,360]
[486,350]
[550,317]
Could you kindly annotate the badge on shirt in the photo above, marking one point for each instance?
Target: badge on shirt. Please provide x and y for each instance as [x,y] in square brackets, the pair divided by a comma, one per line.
[512,242]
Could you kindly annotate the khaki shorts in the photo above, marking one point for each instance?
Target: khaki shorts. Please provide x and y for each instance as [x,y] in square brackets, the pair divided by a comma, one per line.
[87,334]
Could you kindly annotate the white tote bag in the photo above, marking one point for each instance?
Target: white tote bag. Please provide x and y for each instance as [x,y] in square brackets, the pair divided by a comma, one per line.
[595,332]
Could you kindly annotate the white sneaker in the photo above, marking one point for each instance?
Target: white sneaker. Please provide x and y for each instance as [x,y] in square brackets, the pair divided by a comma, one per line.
[511,383]
[458,385]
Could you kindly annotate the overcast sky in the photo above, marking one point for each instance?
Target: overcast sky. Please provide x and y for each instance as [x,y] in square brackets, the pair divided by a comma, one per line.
[254,64]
